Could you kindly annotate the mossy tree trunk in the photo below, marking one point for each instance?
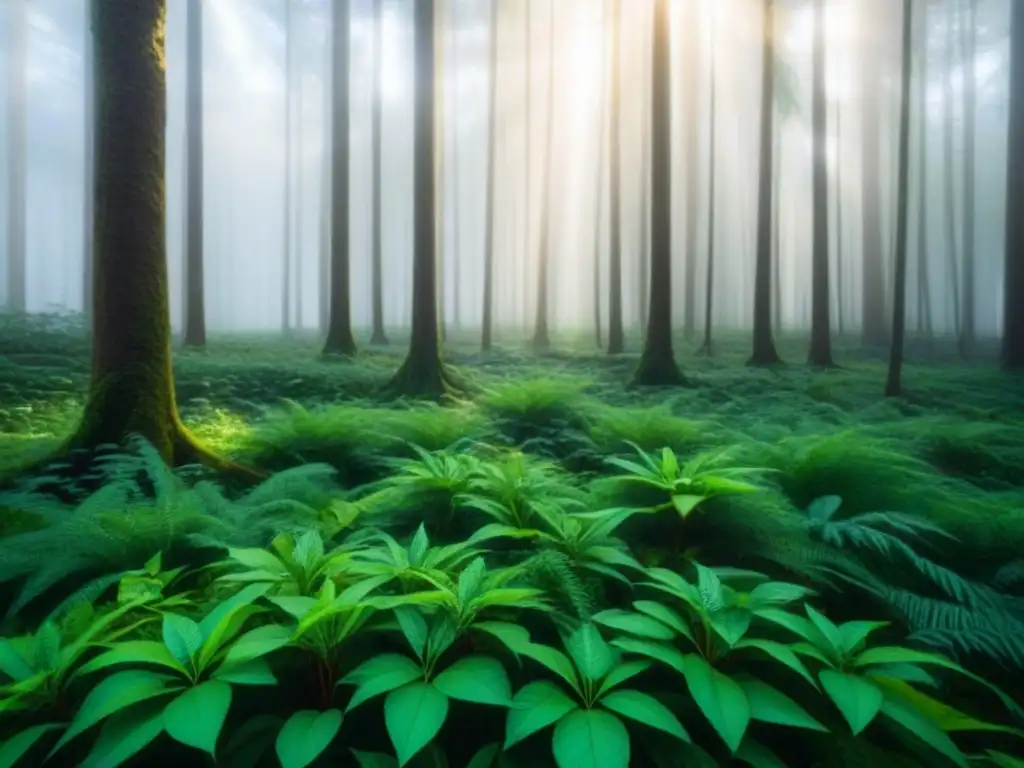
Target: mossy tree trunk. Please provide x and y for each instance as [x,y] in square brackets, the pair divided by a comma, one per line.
[195,309]
[616,336]
[17,98]
[340,340]
[1013,300]
[657,362]
[821,310]
[378,335]
[764,344]
[892,383]
[423,373]
[487,335]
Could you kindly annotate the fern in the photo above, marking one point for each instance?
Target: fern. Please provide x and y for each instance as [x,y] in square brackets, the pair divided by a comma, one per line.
[553,572]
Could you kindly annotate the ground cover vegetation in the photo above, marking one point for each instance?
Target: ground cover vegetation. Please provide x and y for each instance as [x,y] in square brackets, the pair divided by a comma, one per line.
[770,567]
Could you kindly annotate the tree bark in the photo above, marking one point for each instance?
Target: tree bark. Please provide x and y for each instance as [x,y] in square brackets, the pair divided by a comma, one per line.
[952,258]
[195,304]
[966,340]
[657,362]
[88,164]
[599,184]
[1013,281]
[286,227]
[487,334]
[340,340]
[821,311]
[541,334]
[924,290]
[378,335]
[893,386]
[873,298]
[691,56]
[764,345]
[616,335]
[709,286]
[17,103]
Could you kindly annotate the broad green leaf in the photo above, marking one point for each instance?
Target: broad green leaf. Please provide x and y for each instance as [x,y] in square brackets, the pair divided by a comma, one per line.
[298,606]
[224,631]
[772,706]
[660,652]
[621,673]
[486,757]
[16,747]
[380,674]
[854,633]
[924,728]
[755,754]
[135,652]
[709,587]
[305,735]
[418,547]
[858,699]
[443,633]
[720,699]
[117,692]
[635,624]
[778,593]
[253,672]
[781,653]
[1003,760]
[645,709]
[665,615]
[591,738]
[470,579]
[944,716]
[182,637]
[414,715]
[512,636]
[685,503]
[373,759]
[196,717]
[217,627]
[554,660]
[478,679]
[258,560]
[828,633]
[47,642]
[798,625]
[257,643]
[11,662]
[535,706]
[591,653]
[125,734]
[248,743]
[414,627]
[730,624]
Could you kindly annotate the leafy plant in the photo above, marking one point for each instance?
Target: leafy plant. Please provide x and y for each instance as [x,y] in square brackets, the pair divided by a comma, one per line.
[294,564]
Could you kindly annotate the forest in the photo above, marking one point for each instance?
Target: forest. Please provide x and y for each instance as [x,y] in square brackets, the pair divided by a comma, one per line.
[507,383]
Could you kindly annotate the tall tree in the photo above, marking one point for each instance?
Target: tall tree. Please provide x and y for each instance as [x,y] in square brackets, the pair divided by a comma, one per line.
[453,9]
[616,335]
[691,63]
[840,232]
[892,383]
[17,104]
[924,291]
[340,340]
[643,249]
[1013,280]
[821,311]
[873,299]
[657,365]
[378,335]
[764,345]
[195,304]
[709,285]
[487,335]
[949,159]
[423,373]
[970,70]
[602,112]
[88,160]
[286,226]
[324,277]
[541,334]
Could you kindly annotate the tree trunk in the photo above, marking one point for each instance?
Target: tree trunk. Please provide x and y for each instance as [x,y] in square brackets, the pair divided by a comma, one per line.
[487,335]
[195,304]
[324,281]
[691,57]
[657,362]
[378,335]
[821,312]
[17,156]
[924,290]
[643,262]
[616,336]
[709,286]
[457,203]
[300,207]
[528,162]
[776,226]
[840,232]
[1013,281]
[952,259]
[286,227]
[423,373]
[88,165]
[340,340]
[892,384]
[599,185]
[764,345]
[966,340]
[873,299]
[541,335]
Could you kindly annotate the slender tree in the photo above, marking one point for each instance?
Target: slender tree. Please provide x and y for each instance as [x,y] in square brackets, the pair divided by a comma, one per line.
[88,158]
[873,299]
[840,232]
[1013,280]
[423,373]
[541,334]
[691,58]
[453,9]
[17,103]
[616,335]
[709,286]
[764,345]
[600,169]
[286,226]
[949,159]
[340,340]
[924,291]
[195,303]
[657,362]
[378,335]
[892,384]
[487,335]
[970,68]
[324,279]
[643,249]
[821,311]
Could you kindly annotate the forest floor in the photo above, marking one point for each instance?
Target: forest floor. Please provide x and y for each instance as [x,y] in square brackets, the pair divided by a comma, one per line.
[952,448]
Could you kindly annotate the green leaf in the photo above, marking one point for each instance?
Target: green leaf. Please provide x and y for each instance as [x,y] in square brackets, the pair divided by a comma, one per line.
[685,503]
[414,715]
[117,692]
[512,636]
[645,709]
[621,673]
[757,755]
[924,728]
[798,625]
[135,652]
[418,547]
[827,632]
[1003,760]
[591,738]
[730,624]
[665,654]
[593,656]
[373,759]
[858,699]
[854,633]
[257,643]
[11,662]
[947,718]
[125,734]
[380,674]
[477,679]
[634,624]
[781,653]
[196,717]
[554,660]
[771,706]
[182,637]
[257,560]
[254,672]
[778,593]
[249,742]
[218,626]
[720,699]
[305,735]
[665,615]
[16,747]
[414,627]
[535,706]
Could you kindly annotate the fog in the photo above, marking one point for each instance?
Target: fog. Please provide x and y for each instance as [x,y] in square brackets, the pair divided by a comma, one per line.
[245,103]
